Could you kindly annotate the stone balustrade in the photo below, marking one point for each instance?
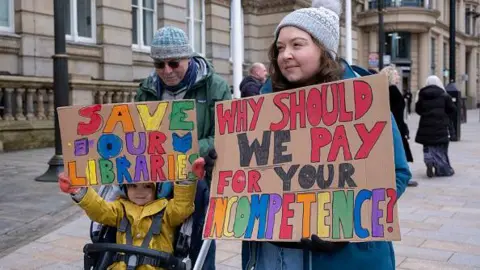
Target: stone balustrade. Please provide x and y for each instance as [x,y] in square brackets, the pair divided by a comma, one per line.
[27,106]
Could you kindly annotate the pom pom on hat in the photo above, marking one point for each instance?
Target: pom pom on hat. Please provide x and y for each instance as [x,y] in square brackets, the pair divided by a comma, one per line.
[335,6]
[321,21]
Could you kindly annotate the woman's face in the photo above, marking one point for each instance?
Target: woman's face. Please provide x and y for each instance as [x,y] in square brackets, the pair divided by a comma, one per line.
[141,194]
[298,55]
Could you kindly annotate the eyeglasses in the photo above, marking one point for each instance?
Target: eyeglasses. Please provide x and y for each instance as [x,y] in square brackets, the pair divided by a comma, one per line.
[171,64]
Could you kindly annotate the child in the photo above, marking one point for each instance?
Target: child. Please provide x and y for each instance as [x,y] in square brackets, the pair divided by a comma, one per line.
[134,215]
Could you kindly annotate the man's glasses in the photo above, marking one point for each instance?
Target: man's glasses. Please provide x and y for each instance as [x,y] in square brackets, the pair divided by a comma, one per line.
[171,64]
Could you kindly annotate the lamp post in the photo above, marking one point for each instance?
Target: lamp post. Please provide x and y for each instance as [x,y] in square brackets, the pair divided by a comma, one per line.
[381,35]
[60,88]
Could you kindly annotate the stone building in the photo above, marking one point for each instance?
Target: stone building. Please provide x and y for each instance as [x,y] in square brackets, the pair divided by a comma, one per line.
[108,52]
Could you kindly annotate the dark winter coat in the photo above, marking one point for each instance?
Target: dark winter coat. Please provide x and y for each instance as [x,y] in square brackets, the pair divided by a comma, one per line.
[250,87]
[397,107]
[434,106]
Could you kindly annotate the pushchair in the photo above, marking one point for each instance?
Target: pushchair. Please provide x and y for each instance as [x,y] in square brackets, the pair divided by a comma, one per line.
[103,251]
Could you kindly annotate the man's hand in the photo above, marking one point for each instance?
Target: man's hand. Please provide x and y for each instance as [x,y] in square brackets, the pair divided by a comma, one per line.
[202,167]
[316,244]
[65,184]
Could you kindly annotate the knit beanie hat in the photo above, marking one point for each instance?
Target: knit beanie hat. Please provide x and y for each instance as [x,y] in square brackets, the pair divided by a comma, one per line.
[322,21]
[170,42]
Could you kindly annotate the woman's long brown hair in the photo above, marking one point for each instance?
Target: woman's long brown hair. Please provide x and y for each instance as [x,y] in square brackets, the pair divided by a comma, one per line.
[330,70]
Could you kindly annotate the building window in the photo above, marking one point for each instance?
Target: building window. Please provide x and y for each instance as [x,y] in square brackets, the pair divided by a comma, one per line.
[397,45]
[196,25]
[432,56]
[6,16]
[144,23]
[80,20]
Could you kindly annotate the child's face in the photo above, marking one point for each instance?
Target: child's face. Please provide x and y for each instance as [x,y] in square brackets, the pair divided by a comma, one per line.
[141,194]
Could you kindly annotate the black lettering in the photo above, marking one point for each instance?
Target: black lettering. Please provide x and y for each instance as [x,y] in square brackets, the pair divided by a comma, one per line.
[286,177]
[280,137]
[306,176]
[346,170]
[321,182]
[246,150]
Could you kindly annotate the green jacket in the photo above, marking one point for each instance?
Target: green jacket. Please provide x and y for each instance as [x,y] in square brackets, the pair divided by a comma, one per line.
[206,92]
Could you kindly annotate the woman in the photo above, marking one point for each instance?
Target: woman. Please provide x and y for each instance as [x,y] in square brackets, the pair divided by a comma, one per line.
[304,53]
[397,107]
[435,108]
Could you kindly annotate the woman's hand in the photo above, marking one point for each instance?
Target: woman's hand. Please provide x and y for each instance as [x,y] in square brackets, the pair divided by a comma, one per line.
[65,184]
[316,244]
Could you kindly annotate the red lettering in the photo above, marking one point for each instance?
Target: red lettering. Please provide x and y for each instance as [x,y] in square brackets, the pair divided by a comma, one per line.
[287,213]
[319,138]
[277,100]
[369,138]
[297,108]
[339,141]
[314,107]
[242,118]
[209,219]
[239,182]
[222,181]
[155,141]
[345,116]
[156,168]
[363,98]
[256,107]
[253,178]
[329,118]
[226,117]
[95,122]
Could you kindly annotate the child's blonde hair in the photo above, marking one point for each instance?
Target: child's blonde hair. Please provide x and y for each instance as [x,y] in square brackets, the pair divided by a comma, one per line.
[391,73]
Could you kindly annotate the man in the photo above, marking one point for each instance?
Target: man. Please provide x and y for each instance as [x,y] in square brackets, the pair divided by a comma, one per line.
[181,74]
[251,85]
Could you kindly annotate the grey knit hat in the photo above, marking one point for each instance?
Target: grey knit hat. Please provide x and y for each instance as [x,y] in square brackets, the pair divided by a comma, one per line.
[322,21]
[170,42]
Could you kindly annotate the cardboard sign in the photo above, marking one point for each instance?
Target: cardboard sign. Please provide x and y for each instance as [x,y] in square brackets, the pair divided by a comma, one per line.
[316,160]
[129,143]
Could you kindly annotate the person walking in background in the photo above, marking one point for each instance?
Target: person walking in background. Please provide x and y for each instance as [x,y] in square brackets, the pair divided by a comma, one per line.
[435,107]
[408,96]
[251,84]
[397,107]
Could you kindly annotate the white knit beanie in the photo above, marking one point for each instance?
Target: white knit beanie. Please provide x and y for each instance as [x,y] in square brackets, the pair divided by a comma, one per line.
[322,21]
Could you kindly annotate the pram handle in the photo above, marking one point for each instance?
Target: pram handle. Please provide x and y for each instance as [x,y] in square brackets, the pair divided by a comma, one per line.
[166,260]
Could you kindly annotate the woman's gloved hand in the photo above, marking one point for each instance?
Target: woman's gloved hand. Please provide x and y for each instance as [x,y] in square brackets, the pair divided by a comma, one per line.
[203,166]
[65,184]
[315,244]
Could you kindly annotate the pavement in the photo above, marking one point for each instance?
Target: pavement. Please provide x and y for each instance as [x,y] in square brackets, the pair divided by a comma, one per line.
[440,219]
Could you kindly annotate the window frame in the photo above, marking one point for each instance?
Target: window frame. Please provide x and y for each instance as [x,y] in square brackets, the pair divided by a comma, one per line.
[140,46]
[73,36]
[11,19]
[191,20]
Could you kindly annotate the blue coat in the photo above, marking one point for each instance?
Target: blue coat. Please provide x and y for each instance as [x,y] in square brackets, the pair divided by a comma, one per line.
[359,256]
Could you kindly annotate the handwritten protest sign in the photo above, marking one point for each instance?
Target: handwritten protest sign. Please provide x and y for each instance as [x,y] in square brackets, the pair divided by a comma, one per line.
[129,143]
[316,160]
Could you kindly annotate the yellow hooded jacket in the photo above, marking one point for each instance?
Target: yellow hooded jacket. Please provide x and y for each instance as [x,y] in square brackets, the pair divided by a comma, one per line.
[177,210]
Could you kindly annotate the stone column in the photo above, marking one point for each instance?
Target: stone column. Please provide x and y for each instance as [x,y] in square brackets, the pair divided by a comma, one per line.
[35,25]
[472,75]
[461,16]
[172,12]
[114,34]
[462,69]
[423,58]
[440,53]
[217,36]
